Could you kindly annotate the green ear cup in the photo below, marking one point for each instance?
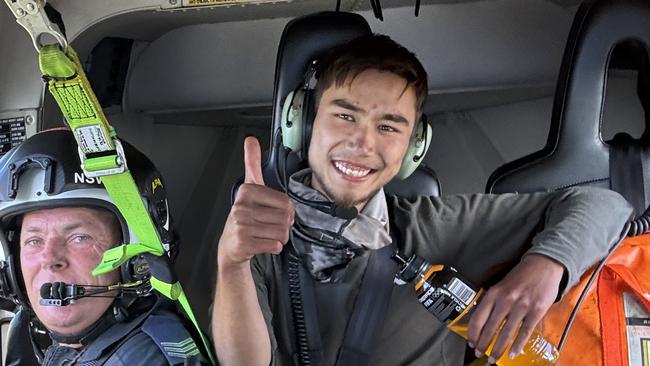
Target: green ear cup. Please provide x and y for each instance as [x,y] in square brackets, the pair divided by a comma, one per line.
[292,120]
[418,146]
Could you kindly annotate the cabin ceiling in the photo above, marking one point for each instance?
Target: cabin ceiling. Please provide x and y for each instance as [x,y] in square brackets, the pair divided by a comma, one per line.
[471,52]
[154,17]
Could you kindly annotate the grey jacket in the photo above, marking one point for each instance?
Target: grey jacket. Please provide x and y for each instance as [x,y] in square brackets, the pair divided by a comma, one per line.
[482,236]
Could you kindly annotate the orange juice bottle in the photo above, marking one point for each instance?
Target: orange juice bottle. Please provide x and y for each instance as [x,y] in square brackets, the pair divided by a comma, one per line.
[452,300]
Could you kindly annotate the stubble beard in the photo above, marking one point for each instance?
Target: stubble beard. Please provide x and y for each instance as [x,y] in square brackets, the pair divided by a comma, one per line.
[340,201]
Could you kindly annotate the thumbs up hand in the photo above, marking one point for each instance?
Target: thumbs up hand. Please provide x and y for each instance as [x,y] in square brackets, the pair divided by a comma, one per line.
[259,220]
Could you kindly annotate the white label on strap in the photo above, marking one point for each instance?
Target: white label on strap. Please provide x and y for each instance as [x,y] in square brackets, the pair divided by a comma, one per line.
[463,292]
[637,320]
[92,139]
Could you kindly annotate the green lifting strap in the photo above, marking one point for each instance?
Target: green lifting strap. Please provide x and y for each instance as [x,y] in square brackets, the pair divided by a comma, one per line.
[70,87]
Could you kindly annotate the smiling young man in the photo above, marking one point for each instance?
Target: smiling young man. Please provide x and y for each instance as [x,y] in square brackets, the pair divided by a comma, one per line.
[370,94]
[373,108]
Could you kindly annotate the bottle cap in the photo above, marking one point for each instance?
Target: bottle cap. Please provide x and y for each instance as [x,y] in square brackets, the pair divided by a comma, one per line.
[410,267]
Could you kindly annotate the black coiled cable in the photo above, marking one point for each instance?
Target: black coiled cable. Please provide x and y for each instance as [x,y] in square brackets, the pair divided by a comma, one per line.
[641,224]
[295,297]
[293,266]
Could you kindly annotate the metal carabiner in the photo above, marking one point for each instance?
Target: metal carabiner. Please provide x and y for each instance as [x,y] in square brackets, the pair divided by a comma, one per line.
[31,15]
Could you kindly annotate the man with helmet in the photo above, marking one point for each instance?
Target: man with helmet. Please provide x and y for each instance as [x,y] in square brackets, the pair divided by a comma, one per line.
[56,224]
[369,101]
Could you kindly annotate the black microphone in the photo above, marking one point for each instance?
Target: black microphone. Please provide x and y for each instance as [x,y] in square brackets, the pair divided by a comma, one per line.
[63,294]
[60,294]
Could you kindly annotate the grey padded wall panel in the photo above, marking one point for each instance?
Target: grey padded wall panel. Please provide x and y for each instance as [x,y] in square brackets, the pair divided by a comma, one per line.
[468,145]
[206,66]
[517,129]
[199,164]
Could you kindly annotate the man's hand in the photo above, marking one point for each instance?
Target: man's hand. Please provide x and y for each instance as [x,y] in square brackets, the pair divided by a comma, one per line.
[260,219]
[518,302]
[259,222]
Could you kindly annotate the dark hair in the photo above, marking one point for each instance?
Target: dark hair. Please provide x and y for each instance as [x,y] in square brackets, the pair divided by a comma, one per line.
[377,52]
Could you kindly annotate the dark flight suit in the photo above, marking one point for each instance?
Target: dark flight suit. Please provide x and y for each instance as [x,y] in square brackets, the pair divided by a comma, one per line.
[151,339]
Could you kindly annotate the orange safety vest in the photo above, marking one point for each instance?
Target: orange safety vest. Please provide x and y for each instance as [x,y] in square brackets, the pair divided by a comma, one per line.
[600,333]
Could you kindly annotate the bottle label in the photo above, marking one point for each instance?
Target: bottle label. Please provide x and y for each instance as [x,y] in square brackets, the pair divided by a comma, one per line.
[462,292]
[445,295]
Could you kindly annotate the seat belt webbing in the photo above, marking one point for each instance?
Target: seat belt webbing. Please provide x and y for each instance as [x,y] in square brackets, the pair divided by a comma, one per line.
[367,318]
[626,171]
[370,309]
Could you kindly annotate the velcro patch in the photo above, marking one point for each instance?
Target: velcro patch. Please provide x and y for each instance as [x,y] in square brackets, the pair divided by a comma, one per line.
[172,338]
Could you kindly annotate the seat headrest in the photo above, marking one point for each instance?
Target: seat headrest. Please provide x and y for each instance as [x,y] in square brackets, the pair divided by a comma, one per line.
[575,153]
[303,40]
[306,39]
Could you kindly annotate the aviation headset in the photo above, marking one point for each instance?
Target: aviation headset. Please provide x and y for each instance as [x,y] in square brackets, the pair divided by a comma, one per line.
[44,172]
[298,113]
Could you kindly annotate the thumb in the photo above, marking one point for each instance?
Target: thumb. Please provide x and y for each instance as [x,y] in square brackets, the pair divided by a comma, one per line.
[252,161]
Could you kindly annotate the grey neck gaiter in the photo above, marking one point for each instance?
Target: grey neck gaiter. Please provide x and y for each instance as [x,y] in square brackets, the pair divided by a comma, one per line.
[326,244]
